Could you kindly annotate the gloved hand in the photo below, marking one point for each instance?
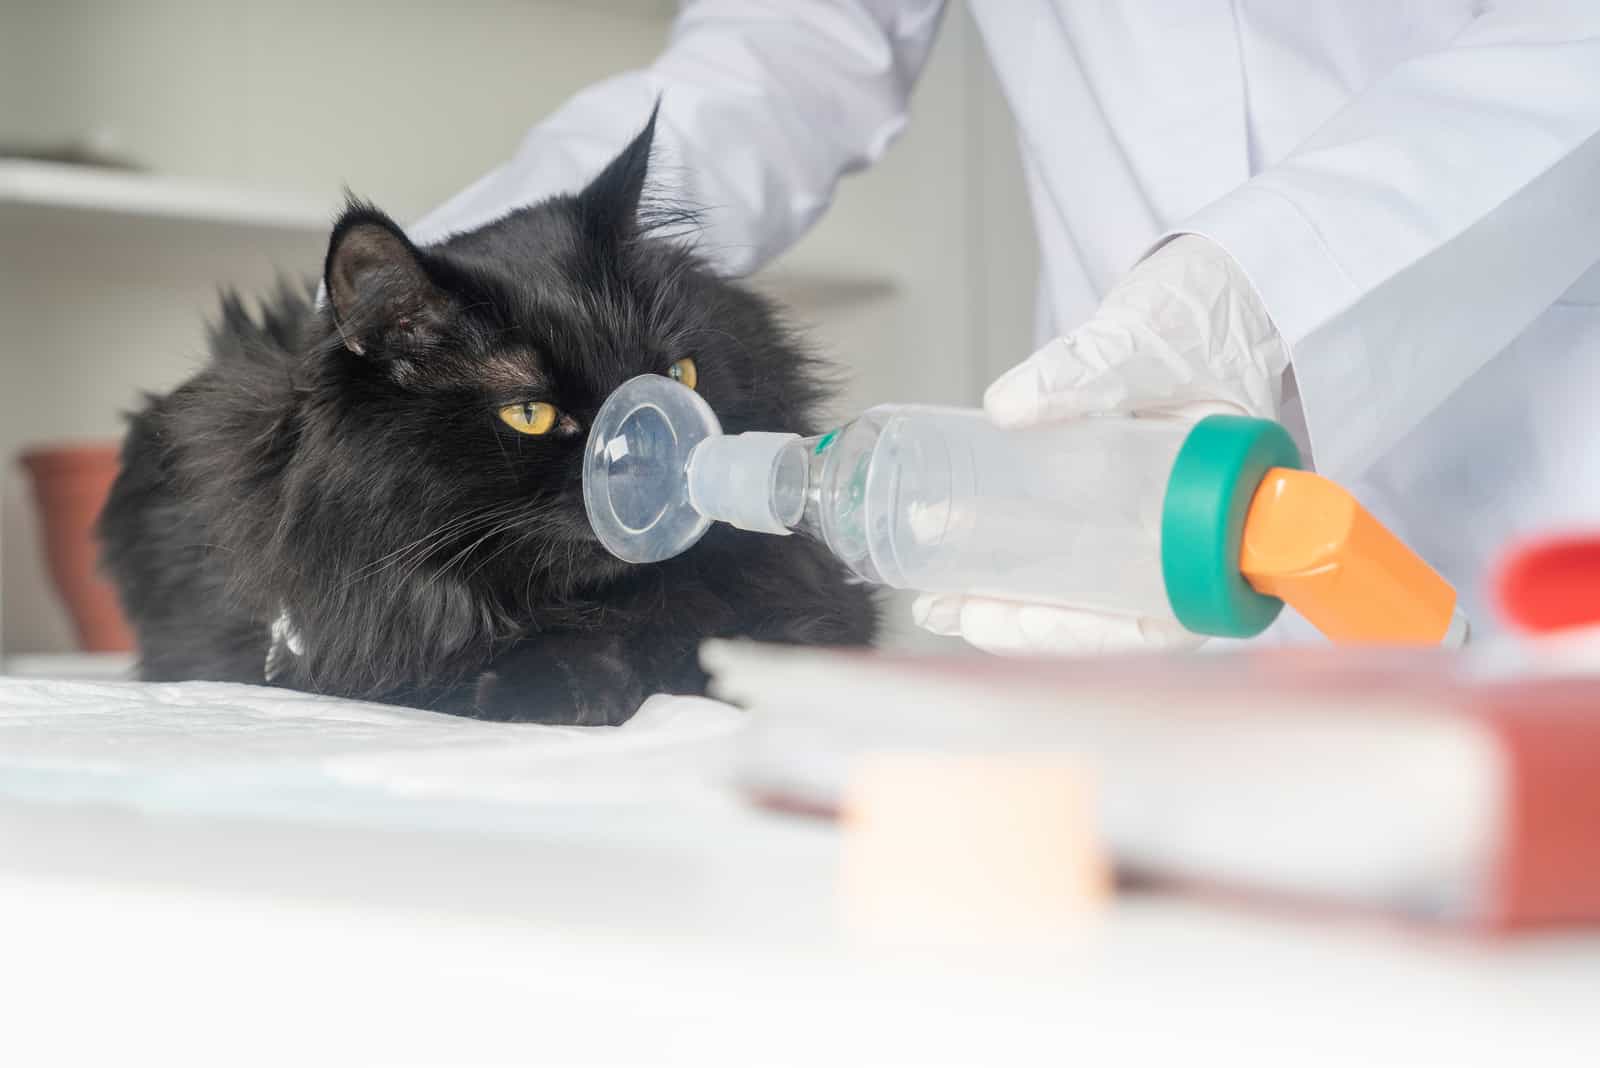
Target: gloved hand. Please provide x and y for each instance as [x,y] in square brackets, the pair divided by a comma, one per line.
[1183,335]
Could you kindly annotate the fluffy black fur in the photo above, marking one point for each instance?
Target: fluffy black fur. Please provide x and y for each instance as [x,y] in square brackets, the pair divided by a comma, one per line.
[347,465]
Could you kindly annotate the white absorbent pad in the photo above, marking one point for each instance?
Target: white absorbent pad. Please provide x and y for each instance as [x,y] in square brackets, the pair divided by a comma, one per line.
[254,749]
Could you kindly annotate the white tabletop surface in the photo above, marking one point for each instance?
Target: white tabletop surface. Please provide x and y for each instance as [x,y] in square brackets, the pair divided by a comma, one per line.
[227,875]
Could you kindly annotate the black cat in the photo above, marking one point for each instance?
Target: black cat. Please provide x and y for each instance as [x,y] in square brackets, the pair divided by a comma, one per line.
[384,494]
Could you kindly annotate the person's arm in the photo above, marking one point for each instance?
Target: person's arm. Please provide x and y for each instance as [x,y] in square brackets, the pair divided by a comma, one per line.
[1389,257]
[1425,226]
[764,107]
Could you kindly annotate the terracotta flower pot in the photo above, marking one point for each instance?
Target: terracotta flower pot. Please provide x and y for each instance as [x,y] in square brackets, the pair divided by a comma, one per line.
[70,485]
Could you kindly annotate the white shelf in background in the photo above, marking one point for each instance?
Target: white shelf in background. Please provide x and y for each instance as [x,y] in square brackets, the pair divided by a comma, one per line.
[31,187]
[31,192]
[75,666]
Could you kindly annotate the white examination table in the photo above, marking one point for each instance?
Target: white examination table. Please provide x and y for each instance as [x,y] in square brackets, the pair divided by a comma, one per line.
[217,874]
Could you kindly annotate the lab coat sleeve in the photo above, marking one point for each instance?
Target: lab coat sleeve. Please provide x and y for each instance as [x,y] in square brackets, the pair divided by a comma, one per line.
[764,107]
[1420,230]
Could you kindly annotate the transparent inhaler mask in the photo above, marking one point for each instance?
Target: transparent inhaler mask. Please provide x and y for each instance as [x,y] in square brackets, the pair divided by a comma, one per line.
[635,487]
[658,471]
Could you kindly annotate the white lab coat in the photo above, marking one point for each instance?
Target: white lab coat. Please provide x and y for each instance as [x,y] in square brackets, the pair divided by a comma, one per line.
[1413,186]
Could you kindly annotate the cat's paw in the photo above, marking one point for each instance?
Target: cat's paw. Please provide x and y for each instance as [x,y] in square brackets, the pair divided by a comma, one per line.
[587,690]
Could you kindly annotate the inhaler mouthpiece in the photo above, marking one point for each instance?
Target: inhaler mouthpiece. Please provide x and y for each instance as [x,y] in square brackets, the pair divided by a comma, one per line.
[658,470]
[754,481]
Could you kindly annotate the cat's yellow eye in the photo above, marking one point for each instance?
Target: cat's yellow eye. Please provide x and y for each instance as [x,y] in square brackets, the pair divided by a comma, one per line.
[531,418]
[684,371]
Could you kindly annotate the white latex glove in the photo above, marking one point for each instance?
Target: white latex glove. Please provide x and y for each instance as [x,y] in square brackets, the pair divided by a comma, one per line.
[1184,334]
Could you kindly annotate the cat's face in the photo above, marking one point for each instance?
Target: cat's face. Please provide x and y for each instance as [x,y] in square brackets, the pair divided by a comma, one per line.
[467,375]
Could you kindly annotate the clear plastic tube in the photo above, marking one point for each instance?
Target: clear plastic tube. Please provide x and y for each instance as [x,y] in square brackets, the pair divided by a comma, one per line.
[944,501]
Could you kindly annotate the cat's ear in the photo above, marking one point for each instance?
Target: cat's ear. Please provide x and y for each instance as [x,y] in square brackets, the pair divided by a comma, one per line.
[610,203]
[377,285]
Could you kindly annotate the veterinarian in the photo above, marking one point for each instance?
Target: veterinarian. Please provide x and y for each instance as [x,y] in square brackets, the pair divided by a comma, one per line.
[1377,221]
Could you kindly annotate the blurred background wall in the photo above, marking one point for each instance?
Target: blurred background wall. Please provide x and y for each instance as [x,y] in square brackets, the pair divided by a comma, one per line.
[920,281]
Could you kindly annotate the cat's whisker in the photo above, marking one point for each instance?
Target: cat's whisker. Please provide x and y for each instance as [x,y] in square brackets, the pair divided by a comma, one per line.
[419,550]
[418,560]
[451,526]
[470,549]
[529,530]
